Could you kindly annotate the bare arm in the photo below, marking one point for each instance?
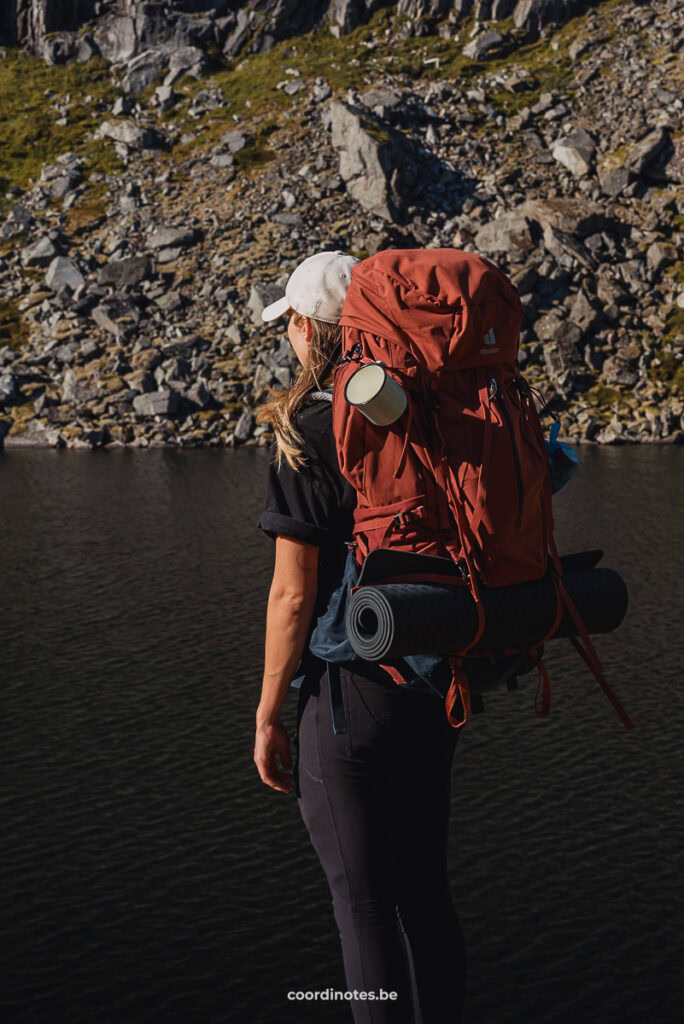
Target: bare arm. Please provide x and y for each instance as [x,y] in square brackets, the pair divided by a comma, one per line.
[291,602]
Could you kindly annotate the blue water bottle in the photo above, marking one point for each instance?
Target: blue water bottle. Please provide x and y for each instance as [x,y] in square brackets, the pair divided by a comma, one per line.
[563,459]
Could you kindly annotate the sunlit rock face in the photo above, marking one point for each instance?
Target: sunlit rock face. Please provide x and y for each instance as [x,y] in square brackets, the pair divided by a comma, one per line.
[252,24]
[27,21]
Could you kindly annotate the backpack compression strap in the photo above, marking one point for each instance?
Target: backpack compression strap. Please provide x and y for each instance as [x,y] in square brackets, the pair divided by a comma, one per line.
[585,648]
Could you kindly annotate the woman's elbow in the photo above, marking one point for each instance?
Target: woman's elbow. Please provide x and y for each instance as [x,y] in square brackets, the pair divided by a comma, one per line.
[294,600]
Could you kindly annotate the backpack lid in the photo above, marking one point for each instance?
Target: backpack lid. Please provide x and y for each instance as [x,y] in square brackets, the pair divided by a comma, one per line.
[431,300]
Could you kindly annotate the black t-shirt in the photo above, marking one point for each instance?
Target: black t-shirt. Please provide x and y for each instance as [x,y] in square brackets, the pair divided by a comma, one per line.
[314,504]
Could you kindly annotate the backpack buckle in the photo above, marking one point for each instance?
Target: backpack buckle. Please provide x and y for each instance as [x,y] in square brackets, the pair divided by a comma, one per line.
[412,513]
[353,356]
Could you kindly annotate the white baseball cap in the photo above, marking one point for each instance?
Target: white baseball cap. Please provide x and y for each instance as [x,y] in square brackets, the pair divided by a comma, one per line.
[317,287]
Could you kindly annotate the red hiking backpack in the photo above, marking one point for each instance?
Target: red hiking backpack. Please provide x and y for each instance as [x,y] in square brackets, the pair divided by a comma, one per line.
[463,473]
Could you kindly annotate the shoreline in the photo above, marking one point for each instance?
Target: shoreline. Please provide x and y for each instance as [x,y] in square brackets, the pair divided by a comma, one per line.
[18,442]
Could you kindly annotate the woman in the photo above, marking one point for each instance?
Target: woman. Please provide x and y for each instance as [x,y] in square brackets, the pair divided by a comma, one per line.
[374,798]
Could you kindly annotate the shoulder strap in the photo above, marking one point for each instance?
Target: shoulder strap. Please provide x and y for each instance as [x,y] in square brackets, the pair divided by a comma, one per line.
[324,396]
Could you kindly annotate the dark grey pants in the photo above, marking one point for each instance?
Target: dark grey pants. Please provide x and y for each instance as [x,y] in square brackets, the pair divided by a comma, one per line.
[375,801]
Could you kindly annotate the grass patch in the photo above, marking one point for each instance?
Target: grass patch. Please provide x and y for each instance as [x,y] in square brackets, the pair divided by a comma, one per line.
[254,154]
[674,326]
[88,210]
[15,243]
[28,122]
[616,159]
[676,271]
[670,369]
[601,396]
[13,328]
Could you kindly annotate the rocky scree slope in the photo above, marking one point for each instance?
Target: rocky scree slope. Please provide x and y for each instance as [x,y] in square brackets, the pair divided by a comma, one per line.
[174,178]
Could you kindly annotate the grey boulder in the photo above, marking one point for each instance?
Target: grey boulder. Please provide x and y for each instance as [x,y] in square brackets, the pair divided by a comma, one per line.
[199,394]
[61,272]
[482,45]
[164,402]
[39,254]
[190,60]
[238,37]
[366,158]
[66,183]
[9,392]
[261,295]
[575,151]
[117,39]
[143,70]
[115,316]
[125,273]
[534,14]
[511,231]
[172,238]
[75,391]
[344,16]
[234,141]
[165,97]
[129,134]
[646,150]
[615,181]
[244,427]
[18,219]
[381,98]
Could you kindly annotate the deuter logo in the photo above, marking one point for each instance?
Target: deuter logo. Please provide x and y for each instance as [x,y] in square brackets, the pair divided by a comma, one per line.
[489,342]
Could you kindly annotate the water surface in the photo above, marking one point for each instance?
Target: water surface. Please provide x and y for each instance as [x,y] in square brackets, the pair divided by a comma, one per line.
[149,875]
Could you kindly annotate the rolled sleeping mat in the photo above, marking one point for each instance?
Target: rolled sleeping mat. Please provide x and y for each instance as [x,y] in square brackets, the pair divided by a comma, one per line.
[394,620]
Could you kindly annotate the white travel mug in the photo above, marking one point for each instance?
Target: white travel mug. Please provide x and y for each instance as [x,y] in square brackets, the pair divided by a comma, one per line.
[377,395]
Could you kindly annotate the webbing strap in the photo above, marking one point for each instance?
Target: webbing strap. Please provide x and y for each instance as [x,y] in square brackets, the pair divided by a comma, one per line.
[485,461]
[591,659]
[459,685]
[544,680]
[585,648]
[545,683]
[370,518]
[467,548]
[395,673]
[339,719]
[404,448]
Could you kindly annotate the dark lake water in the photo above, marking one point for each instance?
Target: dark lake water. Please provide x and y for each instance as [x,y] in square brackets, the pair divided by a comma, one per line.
[147,873]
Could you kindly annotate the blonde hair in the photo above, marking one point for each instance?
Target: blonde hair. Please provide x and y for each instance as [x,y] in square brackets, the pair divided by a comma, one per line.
[281,408]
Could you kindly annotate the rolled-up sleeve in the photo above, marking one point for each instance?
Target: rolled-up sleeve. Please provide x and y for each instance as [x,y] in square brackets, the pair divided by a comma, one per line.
[301,504]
